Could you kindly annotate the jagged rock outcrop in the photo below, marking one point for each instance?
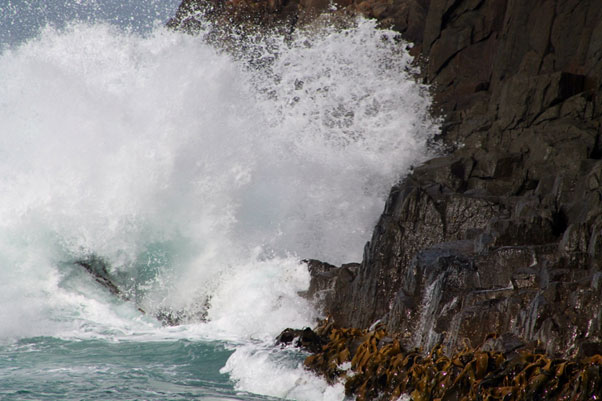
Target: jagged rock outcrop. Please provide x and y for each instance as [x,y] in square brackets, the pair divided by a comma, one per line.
[504,233]
[99,268]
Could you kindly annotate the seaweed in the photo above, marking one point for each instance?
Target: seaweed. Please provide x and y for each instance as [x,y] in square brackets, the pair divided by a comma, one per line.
[374,366]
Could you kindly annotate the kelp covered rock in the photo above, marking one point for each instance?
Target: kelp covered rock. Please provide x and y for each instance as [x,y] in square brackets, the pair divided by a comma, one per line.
[374,365]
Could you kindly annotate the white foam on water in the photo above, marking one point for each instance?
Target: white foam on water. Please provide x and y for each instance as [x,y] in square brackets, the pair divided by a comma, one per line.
[268,371]
[200,180]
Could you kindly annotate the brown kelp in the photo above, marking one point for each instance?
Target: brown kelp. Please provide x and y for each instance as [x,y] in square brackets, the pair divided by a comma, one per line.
[374,366]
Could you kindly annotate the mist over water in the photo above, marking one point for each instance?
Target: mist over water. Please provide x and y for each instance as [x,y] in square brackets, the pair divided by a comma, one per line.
[23,19]
[200,178]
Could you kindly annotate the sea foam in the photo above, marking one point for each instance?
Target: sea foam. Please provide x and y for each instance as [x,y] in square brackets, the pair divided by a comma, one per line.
[200,178]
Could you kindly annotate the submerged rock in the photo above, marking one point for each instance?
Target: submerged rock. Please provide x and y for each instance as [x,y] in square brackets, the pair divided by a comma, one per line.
[99,268]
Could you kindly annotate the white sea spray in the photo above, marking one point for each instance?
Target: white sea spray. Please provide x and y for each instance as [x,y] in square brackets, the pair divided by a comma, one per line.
[199,180]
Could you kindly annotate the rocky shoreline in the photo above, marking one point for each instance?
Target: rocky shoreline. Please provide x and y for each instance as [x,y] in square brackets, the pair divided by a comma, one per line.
[502,236]
[374,366]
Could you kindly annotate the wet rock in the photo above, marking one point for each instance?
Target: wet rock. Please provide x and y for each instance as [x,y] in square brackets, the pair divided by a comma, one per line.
[194,313]
[504,368]
[504,234]
[589,349]
[97,268]
[246,15]
[329,284]
[499,236]
[305,339]
[505,344]
[171,318]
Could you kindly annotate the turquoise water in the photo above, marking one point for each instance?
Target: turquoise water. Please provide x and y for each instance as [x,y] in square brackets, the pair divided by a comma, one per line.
[46,368]
[199,179]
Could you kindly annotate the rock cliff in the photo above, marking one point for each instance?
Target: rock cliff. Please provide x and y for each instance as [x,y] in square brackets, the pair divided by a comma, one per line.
[504,233]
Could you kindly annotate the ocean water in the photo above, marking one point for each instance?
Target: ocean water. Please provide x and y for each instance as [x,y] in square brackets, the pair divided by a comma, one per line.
[199,178]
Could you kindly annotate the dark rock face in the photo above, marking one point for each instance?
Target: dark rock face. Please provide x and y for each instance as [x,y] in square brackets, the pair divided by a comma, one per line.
[330,285]
[504,234]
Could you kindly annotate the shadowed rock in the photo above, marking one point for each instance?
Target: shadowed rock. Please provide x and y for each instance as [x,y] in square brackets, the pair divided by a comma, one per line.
[305,339]
[98,269]
[503,235]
